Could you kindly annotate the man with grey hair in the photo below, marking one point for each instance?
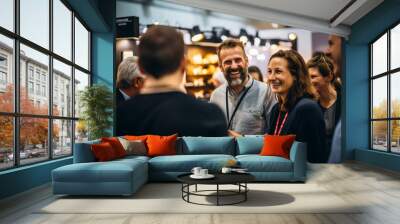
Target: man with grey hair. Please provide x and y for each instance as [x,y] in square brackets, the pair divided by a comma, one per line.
[129,79]
[246,102]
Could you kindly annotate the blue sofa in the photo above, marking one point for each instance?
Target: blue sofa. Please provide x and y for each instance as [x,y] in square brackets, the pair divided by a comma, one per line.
[125,176]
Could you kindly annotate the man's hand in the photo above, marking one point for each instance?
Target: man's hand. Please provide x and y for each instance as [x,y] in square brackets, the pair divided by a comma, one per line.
[234,133]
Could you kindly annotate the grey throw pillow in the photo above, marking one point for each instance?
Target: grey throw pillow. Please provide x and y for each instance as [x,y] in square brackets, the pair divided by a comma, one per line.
[136,147]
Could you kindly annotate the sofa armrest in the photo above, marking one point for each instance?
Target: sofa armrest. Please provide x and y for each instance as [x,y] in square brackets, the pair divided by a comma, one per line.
[298,155]
[83,152]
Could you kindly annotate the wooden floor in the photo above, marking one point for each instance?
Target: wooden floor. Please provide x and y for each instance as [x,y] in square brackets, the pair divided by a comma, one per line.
[377,188]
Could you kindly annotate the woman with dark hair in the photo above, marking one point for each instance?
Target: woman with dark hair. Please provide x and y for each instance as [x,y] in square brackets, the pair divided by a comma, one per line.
[255,72]
[321,72]
[296,112]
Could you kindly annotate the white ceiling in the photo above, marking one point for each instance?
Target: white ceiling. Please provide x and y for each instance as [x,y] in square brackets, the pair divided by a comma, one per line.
[313,15]
[320,9]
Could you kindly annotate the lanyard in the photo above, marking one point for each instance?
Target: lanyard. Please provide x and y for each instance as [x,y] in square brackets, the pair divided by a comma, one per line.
[278,132]
[237,105]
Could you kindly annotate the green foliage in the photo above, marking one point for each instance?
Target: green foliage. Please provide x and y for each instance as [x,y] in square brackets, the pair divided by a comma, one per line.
[380,127]
[96,104]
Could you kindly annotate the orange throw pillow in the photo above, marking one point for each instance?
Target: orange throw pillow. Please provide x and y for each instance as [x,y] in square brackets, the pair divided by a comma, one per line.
[277,145]
[116,145]
[135,138]
[161,145]
[103,152]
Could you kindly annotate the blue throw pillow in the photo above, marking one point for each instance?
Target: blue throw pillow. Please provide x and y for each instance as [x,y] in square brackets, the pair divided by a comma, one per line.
[249,144]
[208,145]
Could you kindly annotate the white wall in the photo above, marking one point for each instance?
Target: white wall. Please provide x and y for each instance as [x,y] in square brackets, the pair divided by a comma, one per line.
[304,39]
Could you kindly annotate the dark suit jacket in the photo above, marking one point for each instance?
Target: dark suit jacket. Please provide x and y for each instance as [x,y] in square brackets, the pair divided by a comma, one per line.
[120,97]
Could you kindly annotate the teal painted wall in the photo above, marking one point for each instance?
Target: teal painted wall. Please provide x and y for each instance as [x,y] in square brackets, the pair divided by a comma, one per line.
[356,81]
[103,52]
[99,15]
[24,178]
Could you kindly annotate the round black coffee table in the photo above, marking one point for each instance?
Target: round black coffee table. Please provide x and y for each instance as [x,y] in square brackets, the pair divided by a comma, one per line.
[238,179]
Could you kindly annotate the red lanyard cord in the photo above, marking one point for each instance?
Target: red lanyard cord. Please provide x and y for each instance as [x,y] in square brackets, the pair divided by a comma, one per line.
[278,132]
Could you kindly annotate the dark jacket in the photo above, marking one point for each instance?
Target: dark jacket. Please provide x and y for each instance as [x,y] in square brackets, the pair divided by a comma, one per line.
[305,120]
[120,97]
[169,113]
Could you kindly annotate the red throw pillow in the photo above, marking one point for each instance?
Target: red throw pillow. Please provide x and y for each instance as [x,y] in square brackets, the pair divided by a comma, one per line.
[277,145]
[116,145]
[103,152]
[161,145]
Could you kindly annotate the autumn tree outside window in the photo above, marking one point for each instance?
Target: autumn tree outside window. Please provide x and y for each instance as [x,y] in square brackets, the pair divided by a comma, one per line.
[44,64]
[384,91]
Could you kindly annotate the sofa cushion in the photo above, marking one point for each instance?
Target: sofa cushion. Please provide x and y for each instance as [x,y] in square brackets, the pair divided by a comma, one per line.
[161,145]
[83,152]
[185,163]
[112,171]
[103,152]
[117,146]
[136,137]
[207,145]
[134,147]
[131,158]
[277,145]
[249,144]
[257,163]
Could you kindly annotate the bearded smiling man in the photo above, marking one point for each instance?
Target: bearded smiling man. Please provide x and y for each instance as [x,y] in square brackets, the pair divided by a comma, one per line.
[245,102]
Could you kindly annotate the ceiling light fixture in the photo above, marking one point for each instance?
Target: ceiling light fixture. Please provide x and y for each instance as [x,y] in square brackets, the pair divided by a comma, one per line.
[257,40]
[243,36]
[197,35]
[292,36]
[244,39]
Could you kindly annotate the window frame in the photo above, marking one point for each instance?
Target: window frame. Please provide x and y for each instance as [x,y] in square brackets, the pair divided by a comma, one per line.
[388,74]
[16,114]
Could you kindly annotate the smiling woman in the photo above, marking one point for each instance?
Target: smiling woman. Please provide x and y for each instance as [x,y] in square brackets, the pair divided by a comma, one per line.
[296,112]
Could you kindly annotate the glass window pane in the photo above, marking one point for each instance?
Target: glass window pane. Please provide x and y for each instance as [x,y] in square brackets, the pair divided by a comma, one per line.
[379,98]
[6,142]
[81,131]
[33,139]
[62,138]
[62,29]
[35,21]
[379,135]
[395,138]
[379,55]
[81,81]
[34,72]
[6,74]
[7,14]
[395,95]
[81,45]
[62,89]
[395,47]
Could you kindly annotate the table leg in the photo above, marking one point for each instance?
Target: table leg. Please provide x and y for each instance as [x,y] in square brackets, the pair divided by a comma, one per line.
[182,190]
[217,194]
[188,190]
[245,191]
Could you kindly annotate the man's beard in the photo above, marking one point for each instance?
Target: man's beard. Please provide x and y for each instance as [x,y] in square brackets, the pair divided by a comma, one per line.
[235,81]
